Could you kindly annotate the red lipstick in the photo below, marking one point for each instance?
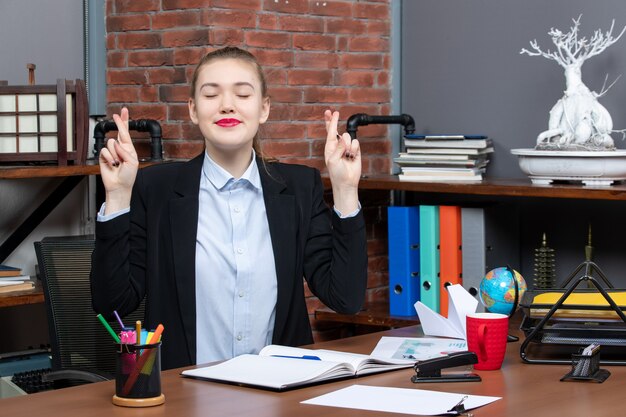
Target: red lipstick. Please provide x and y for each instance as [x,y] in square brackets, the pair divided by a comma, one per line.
[228,122]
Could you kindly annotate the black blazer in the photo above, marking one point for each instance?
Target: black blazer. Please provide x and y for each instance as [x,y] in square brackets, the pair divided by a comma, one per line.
[151,252]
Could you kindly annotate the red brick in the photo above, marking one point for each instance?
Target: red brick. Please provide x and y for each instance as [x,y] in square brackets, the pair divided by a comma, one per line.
[229,18]
[317,132]
[268,21]
[316,59]
[309,77]
[331,8]
[189,131]
[280,112]
[168,20]
[273,57]
[292,23]
[185,38]
[178,112]
[364,61]
[287,131]
[375,147]
[308,112]
[325,95]
[368,44]
[171,131]
[314,42]
[371,11]
[382,79]
[346,110]
[292,6]
[148,94]
[294,148]
[275,76]
[370,95]
[187,56]
[379,27]
[356,78]
[237,4]
[138,40]
[229,36]
[126,77]
[184,150]
[376,247]
[122,94]
[174,93]
[150,58]
[350,27]
[342,43]
[127,22]
[184,4]
[268,39]
[373,131]
[128,6]
[111,41]
[148,111]
[167,75]
[281,94]
[116,59]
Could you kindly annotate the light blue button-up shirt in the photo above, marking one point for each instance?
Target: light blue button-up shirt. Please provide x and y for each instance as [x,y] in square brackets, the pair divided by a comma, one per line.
[236,287]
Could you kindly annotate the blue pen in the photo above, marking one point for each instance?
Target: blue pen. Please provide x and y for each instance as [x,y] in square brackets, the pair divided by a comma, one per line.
[309,357]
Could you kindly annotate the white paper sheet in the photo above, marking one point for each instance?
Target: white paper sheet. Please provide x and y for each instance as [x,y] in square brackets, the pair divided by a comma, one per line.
[398,400]
[460,304]
[416,348]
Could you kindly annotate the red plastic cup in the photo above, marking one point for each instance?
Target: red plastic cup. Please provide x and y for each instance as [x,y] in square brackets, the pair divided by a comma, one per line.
[486,336]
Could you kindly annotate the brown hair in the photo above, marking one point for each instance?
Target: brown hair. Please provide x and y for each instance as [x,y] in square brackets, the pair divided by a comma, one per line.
[232,52]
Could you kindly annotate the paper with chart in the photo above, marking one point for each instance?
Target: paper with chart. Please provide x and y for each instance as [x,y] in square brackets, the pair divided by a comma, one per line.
[399,400]
[416,348]
[460,304]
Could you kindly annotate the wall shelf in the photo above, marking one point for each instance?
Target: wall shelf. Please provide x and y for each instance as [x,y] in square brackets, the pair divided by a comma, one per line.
[497,187]
[43,171]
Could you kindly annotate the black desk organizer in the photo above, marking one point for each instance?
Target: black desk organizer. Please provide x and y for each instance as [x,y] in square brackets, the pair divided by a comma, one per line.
[550,341]
[586,368]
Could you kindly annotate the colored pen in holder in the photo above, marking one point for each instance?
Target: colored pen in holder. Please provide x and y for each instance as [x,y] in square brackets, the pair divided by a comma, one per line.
[586,366]
[138,375]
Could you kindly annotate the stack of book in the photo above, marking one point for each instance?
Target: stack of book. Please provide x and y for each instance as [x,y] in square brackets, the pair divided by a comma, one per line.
[11,279]
[444,157]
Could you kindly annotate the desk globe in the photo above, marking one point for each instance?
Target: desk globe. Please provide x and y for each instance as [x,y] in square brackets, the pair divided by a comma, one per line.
[497,290]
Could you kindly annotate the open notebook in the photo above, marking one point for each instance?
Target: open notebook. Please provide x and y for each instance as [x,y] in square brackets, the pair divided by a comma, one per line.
[282,367]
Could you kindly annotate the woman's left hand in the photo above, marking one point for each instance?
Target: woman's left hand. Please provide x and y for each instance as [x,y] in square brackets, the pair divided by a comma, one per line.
[343,160]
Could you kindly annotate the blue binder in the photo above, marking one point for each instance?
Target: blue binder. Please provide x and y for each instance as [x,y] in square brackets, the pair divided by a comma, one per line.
[404,259]
[429,256]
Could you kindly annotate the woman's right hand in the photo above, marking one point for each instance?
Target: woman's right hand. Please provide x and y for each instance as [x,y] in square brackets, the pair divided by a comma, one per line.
[118,166]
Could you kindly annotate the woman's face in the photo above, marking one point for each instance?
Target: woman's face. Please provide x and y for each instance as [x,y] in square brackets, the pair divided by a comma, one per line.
[228,104]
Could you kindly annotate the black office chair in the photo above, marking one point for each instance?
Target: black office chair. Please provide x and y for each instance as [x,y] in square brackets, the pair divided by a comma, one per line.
[82,350]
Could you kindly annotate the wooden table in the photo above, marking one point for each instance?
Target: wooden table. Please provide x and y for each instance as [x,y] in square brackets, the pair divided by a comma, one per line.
[527,390]
[372,314]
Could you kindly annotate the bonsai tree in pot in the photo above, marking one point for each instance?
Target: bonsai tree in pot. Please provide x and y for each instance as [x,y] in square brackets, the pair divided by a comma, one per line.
[577,121]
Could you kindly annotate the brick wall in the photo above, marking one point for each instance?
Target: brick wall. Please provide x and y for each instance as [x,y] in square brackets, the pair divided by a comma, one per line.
[316,54]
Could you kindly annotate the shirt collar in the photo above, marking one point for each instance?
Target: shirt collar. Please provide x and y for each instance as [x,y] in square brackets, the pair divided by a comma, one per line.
[220,178]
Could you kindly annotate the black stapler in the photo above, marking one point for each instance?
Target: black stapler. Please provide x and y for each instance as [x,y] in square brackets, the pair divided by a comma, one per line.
[430,370]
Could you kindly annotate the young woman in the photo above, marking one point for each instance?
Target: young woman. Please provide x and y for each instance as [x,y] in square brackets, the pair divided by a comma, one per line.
[219,245]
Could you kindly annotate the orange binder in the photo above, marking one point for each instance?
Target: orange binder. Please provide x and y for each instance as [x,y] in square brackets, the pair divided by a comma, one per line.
[450,259]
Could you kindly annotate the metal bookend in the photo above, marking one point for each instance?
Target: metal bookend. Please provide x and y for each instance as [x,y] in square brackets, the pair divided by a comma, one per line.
[430,370]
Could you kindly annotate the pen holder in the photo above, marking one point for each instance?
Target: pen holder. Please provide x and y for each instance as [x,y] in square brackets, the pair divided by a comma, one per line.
[586,368]
[138,376]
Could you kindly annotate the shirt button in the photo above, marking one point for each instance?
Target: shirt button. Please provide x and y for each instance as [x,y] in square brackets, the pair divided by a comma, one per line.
[239,337]
[236,209]
[239,251]
[240,294]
